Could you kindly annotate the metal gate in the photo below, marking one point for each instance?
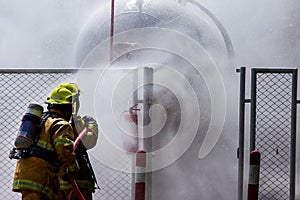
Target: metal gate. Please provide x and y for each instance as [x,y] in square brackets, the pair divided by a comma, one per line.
[18,88]
[272,130]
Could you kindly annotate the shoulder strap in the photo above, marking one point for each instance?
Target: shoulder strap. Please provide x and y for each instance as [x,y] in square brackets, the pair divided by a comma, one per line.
[44,118]
[42,122]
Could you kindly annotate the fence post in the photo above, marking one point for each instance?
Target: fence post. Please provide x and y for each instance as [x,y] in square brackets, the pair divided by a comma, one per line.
[140,184]
[240,151]
[253,184]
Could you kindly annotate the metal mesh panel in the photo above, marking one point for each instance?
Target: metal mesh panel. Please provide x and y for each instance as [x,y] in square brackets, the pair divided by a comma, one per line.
[273,133]
[18,89]
[114,184]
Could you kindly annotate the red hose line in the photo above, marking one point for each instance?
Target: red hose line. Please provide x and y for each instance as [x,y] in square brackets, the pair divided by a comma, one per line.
[78,139]
[72,181]
[75,187]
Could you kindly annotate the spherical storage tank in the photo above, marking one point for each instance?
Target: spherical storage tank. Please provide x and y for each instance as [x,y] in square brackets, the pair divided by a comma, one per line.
[190,19]
[190,54]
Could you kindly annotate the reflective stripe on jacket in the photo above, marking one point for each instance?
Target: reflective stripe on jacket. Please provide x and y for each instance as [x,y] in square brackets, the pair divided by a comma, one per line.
[34,173]
[35,186]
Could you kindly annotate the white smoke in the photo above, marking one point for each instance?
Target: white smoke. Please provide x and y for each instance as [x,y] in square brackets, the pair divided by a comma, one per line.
[42,34]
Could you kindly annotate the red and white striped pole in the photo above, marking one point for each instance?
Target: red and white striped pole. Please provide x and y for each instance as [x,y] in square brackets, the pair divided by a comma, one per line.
[140,176]
[253,184]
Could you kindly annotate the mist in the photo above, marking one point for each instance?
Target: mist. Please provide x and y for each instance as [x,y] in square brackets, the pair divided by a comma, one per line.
[264,33]
[46,34]
[43,34]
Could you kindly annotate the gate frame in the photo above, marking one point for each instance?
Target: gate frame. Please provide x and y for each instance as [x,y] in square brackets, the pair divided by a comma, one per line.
[252,101]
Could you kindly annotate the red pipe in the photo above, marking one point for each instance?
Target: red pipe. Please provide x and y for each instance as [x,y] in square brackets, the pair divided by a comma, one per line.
[112,16]
[253,184]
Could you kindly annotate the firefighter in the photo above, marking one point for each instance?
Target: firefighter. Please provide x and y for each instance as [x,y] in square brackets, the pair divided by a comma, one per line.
[37,170]
[85,179]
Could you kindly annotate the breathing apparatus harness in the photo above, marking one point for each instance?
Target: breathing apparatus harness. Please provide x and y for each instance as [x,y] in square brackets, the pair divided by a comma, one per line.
[33,150]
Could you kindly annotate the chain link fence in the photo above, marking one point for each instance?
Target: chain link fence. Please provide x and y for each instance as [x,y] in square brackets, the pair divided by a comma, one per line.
[274,136]
[18,89]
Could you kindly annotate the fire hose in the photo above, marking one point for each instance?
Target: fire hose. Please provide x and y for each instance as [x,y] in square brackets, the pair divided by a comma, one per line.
[78,139]
[71,179]
[75,187]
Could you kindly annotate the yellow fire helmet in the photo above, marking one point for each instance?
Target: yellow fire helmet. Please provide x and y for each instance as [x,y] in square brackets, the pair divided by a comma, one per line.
[65,93]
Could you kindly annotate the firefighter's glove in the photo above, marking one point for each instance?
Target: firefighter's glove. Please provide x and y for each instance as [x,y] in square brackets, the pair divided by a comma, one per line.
[79,124]
[70,166]
[90,138]
[72,169]
[91,124]
[89,120]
